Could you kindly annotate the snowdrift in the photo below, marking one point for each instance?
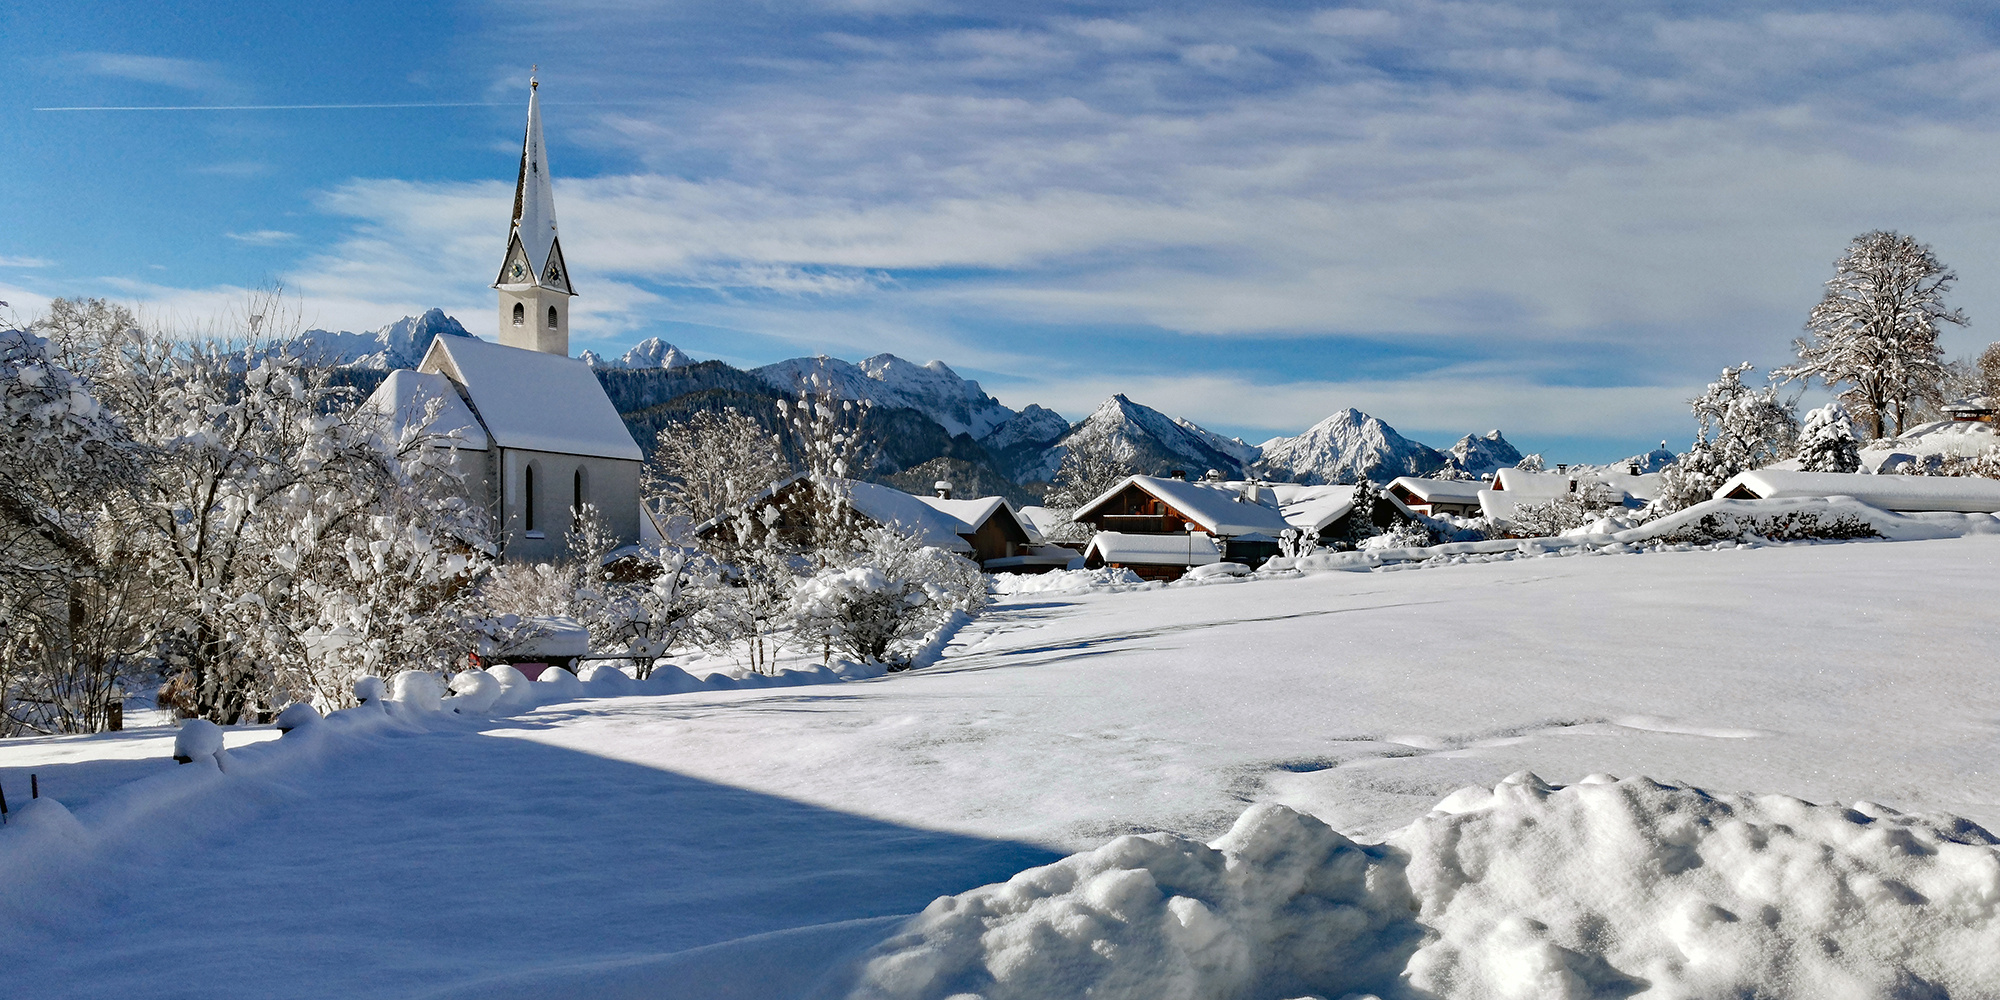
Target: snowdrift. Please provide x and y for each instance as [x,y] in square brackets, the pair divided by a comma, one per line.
[1603,888]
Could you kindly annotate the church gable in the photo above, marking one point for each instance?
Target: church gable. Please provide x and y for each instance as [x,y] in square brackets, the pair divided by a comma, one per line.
[556,275]
[515,268]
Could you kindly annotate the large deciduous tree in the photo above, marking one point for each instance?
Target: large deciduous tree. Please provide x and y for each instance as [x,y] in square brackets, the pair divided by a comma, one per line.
[1875,333]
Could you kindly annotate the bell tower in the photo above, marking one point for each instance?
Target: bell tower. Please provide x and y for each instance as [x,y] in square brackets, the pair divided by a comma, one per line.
[534,281]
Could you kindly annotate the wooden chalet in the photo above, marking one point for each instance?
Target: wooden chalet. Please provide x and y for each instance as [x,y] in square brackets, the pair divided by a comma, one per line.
[1159,527]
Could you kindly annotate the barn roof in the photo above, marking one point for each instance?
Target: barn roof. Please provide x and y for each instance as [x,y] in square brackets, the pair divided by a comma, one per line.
[533,400]
[1464,491]
[1899,493]
[1312,508]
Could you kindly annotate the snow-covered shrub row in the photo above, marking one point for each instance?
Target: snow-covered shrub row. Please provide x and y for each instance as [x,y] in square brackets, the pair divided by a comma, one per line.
[1066,581]
[1602,888]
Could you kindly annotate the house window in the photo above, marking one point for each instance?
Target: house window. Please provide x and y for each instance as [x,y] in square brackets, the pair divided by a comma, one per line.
[520,314]
[528,496]
[552,317]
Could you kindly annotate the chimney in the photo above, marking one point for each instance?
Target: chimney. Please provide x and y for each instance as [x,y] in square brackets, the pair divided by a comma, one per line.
[1212,476]
[1561,468]
[1180,474]
[943,489]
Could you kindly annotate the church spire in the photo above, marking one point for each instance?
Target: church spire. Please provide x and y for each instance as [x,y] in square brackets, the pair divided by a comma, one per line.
[534,279]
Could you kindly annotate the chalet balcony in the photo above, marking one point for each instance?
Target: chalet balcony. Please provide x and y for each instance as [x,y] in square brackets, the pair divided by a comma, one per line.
[1141,524]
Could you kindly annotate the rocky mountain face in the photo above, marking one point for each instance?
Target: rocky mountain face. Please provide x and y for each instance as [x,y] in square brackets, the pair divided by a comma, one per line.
[959,405]
[399,345]
[1345,448]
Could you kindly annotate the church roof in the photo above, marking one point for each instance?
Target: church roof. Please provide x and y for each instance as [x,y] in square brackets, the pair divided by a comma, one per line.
[530,399]
[534,229]
[405,396]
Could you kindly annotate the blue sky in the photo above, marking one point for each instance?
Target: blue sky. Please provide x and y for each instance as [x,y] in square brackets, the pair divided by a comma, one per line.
[1555,218]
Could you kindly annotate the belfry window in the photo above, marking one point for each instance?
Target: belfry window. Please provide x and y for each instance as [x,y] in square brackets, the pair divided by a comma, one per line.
[552,317]
[520,314]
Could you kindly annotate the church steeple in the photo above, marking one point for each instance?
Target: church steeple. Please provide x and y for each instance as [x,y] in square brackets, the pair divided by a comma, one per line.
[534,280]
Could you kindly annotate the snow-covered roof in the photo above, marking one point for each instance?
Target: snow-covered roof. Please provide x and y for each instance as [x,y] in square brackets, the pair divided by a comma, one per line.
[1040,522]
[404,397]
[529,399]
[1974,404]
[1188,549]
[970,511]
[1644,486]
[1465,491]
[1898,493]
[1220,508]
[1542,484]
[1312,508]
[891,507]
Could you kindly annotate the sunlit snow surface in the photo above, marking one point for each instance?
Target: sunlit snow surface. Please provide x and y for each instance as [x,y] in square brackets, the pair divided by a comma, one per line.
[585,848]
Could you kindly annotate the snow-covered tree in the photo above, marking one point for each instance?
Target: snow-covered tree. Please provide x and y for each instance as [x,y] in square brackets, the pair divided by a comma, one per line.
[1361,524]
[1091,464]
[70,608]
[1875,332]
[1826,442]
[711,464]
[1740,428]
[873,605]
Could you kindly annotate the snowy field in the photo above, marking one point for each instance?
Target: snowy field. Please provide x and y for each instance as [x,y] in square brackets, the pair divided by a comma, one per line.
[754,843]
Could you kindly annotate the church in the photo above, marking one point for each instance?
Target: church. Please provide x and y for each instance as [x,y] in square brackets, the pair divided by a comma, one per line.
[537,437]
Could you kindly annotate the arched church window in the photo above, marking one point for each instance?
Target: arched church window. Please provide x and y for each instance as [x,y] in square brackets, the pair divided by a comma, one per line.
[552,317]
[520,314]
[528,496]
[577,498]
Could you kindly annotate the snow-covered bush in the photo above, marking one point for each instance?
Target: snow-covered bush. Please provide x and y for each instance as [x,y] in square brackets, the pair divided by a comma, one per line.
[1551,517]
[1785,526]
[885,597]
[1406,534]
[1740,429]
[710,465]
[1827,443]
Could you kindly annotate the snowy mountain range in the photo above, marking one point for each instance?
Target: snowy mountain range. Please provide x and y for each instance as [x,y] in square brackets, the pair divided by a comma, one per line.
[649,353]
[399,345]
[1025,446]
[959,405]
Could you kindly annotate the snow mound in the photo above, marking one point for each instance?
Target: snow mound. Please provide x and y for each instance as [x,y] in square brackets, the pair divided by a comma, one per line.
[1280,905]
[1066,581]
[199,739]
[1602,888]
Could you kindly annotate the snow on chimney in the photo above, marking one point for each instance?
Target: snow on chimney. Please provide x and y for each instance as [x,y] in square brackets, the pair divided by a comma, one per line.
[1180,474]
[943,489]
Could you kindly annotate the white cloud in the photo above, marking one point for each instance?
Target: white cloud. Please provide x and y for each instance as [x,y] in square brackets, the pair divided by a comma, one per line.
[195,75]
[24,262]
[263,237]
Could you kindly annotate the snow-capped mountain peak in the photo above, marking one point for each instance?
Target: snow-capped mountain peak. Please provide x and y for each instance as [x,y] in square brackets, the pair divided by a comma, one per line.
[1347,447]
[649,353]
[1482,455]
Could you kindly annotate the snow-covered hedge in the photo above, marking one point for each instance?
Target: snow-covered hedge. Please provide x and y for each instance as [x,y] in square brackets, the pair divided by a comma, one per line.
[1603,888]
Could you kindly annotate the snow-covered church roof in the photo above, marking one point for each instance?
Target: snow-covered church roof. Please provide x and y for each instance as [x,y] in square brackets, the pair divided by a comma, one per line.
[533,400]
[406,395]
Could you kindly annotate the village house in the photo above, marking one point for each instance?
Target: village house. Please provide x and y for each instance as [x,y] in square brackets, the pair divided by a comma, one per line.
[536,436]
[986,530]
[1458,497]
[1159,527]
